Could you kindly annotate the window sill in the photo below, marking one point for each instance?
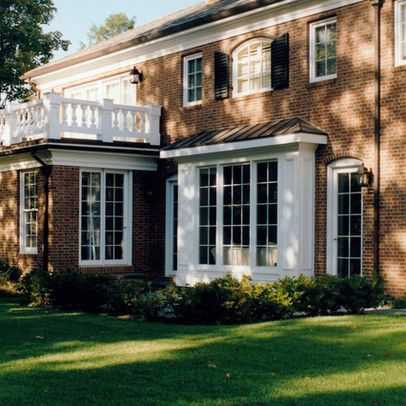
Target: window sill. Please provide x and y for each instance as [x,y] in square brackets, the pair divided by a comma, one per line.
[399,68]
[324,82]
[248,96]
[192,106]
[22,252]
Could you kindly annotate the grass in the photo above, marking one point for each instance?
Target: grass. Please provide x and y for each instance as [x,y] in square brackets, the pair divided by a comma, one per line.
[59,358]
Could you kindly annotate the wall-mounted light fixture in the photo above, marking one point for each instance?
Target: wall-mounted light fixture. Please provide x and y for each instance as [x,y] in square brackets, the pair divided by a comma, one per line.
[365,176]
[136,76]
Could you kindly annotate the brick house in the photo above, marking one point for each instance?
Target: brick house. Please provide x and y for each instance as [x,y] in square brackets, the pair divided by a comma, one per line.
[258,137]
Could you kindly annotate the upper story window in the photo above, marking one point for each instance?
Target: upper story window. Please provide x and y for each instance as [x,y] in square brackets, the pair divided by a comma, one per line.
[193,79]
[323,50]
[252,67]
[118,88]
[29,212]
[400,32]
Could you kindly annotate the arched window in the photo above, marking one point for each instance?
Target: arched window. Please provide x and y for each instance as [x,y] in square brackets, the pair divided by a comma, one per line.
[252,66]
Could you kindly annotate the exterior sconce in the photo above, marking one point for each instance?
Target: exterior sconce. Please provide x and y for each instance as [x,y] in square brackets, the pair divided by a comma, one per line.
[136,76]
[365,176]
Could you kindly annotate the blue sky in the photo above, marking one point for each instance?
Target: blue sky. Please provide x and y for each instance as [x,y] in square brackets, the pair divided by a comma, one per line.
[75,17]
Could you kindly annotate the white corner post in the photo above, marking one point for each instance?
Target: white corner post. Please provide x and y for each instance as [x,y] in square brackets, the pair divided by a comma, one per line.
[106,121]
[52,105]
[154,133]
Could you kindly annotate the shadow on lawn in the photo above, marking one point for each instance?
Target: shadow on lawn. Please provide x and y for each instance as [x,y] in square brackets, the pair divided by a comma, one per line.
[68,358]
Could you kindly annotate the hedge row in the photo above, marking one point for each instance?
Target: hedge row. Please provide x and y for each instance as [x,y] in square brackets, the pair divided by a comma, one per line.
[224,300]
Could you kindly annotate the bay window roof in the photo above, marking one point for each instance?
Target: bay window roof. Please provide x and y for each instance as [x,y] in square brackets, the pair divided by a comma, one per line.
[252,132]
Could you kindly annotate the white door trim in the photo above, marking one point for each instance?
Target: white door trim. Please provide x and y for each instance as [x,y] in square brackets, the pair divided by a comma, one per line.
[170,184]
[338,166]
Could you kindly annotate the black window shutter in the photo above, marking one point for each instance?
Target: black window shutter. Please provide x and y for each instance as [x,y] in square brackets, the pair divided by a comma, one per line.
[280,62]
[221,75]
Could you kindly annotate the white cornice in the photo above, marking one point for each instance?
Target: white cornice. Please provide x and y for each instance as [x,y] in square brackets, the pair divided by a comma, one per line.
[264,17]
[82,159]
[280,140]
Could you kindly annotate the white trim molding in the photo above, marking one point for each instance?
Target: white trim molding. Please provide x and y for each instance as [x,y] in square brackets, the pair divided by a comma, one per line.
[312,51]
[345,165]
[171,183]
[186,73]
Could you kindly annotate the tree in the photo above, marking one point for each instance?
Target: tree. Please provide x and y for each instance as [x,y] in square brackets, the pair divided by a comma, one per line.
[24,45]
[113,25]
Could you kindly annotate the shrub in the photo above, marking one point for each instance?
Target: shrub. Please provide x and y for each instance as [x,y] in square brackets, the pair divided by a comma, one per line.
[358,293]
[9,272]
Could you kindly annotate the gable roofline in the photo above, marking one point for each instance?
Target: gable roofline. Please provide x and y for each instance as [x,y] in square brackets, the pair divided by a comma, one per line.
[190,19]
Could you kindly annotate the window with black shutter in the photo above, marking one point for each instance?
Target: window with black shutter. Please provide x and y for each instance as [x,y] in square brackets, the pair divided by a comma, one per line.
[280,62]
[221,75]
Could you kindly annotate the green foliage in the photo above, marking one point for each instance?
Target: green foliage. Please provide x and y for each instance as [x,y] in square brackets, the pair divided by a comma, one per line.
[224,300]
[113,25]
[9,277]
[23,43]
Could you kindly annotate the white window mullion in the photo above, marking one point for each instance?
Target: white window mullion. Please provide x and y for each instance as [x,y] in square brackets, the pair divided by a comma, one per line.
[103,218]
[253,216]
[219,239]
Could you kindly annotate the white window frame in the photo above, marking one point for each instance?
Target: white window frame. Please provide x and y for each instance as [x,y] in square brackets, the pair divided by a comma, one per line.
[252,260]
[347,165]
[127,220]
[235,68]
[312,51]
[100,85]
[23,248]
[169,231]
[400,59]
[186,60]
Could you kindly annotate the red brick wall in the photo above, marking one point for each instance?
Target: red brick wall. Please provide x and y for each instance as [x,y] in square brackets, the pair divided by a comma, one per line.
[148,223]
[344,107]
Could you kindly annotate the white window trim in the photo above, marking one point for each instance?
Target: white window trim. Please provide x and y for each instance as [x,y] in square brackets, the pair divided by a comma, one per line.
[399,58]
[339,166]
[312,54]
[186,59]
[252,262]
[127,253]
[23,248]
[100,85]
[235,68]
[170,183]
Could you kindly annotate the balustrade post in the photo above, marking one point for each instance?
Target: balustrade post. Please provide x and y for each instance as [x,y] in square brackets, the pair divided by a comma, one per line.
[52,105]
[154,133]
[106,120]
[10,128]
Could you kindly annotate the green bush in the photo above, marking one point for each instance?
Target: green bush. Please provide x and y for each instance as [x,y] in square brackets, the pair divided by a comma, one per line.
[224,300]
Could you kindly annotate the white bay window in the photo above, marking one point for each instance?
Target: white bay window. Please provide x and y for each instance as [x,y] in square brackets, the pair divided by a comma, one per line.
[105,217]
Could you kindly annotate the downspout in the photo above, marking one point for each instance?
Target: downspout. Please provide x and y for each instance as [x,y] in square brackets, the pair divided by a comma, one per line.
[46,173]
[377,4]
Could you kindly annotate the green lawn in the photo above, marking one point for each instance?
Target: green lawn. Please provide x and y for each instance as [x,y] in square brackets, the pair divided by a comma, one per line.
[58,358]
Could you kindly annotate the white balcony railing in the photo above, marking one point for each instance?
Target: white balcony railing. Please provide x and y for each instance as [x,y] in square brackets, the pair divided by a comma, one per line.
[56,117]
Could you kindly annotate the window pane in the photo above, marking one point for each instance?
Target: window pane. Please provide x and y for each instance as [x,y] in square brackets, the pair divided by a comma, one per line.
[236,210]
[208,216]
[325,50]
[267,213]
[194,79]
[29,217]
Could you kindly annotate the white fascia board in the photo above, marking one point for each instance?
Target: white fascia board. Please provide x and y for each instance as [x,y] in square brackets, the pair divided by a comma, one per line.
[18,163]
[105,160]
[253,20]
[268,142]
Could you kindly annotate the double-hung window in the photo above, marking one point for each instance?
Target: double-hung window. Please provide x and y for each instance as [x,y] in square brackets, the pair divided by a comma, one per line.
[193,79]
[105,217]
[232,234]
[29,212]
[400,32]
[323,50]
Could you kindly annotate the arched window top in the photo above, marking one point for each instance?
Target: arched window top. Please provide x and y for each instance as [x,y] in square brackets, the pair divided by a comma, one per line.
[252,66]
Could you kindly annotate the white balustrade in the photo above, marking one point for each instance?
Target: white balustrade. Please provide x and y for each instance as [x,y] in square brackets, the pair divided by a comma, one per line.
[55,117]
